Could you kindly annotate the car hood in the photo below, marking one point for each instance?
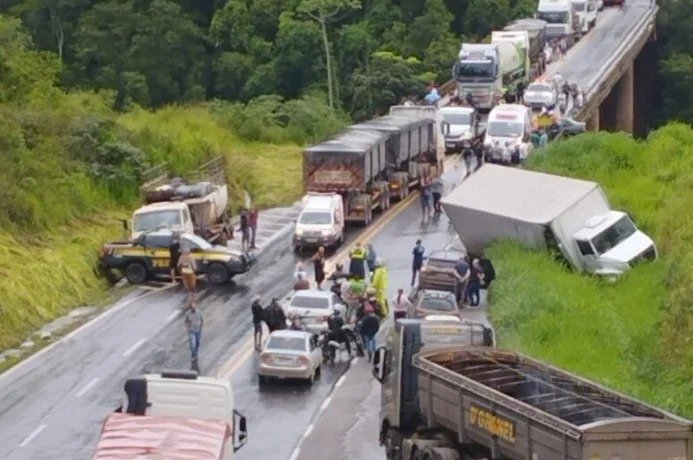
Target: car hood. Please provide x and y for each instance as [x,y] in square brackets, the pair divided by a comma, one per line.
[629,248]
[532,96]
[308,312]
[312,228]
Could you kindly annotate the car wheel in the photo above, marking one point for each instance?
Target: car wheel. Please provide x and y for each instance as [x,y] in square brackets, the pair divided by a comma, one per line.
[136,273]
[262,380]
[217,273]
[318,372]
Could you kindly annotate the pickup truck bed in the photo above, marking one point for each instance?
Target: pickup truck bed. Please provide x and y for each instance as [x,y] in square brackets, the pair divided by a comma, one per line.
[524,409]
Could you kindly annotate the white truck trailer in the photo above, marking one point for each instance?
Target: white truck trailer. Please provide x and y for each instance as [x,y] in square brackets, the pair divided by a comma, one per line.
[570,216]
[513,47]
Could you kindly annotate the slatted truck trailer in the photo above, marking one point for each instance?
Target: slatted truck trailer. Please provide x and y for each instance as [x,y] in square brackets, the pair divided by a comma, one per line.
[484,403]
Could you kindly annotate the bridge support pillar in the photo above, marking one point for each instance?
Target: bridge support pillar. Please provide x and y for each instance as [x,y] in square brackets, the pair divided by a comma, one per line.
[624,101]
[593,121]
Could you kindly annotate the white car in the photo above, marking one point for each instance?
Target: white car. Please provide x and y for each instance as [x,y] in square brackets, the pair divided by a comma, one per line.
[290,354]
[540,94]
[313,306]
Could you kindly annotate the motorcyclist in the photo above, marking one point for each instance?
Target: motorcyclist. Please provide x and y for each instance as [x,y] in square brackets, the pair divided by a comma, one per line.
[334,324]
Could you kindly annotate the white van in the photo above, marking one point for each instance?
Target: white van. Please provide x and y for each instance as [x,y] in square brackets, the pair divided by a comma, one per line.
[561,18]
[508,125]
[586,11]
[321,222]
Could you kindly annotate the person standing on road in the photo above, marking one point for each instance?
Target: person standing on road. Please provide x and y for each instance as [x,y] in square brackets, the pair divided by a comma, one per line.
[356,266]
[319,266]
[461,272]
[276,316]
[401,302]
[476,276]
[258,315]
[245,230]
[380,282]
[193,323]
[520,92]
[372,257]
[252,220]
[369,328]
[188,269]
[437,191]
[174,256]
[467,154]
[563,45]
[417,262]
[425,198]
[478,153]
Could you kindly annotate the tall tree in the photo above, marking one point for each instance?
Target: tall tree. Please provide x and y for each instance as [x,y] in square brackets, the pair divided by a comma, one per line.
[323,12]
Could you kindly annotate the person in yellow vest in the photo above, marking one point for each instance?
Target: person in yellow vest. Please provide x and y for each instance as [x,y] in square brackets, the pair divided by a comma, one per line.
[358,257]
[380,281]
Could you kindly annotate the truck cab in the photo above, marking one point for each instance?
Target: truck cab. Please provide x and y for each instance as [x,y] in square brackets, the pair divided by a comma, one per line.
[459,125]
[170,215]
[477,71]
[321,222]
[586,11]
[561,18]
[164,413]
[393,367]
[608,244]
[508,125]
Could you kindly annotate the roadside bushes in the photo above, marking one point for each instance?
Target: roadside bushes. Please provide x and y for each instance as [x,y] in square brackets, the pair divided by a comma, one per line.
[635,334]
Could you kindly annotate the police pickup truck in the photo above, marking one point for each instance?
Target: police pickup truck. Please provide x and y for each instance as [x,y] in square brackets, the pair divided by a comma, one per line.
[149,255]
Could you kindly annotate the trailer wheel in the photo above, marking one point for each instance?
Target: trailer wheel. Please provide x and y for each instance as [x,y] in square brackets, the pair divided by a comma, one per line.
[136,273]
[217,273]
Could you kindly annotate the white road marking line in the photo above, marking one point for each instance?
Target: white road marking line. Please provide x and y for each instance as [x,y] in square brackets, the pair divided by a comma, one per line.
[132,349]
[340,381]
[171,317]
[87,387]
[309,430]
[325,403]
[294,454]
[238,359]
[33,434]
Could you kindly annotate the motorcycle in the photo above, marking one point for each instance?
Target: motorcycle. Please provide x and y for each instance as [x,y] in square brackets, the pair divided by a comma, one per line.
[328,346]
[354,336]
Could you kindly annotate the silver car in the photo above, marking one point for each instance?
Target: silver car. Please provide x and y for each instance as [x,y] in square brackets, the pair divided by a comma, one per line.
[540,94]
[432,302]
[313,306]
[290,354]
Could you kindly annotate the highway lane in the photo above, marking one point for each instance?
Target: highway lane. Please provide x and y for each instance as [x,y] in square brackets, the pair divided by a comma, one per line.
[53,405]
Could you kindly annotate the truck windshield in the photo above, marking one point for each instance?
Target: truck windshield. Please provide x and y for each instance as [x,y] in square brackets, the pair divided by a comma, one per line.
[156,219]
[614,235]
[505,128]
[457,118]
[539,88]
[475,69]
[579,6]
[553,17]
[315,218]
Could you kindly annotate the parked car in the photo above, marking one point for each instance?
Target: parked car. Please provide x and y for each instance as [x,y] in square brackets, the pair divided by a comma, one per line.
[433,302]
[313,306]
[540,94]
[290,354]
[437,270]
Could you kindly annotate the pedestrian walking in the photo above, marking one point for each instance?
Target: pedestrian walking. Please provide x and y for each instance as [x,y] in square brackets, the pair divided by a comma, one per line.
[371,258]
[425,198]
[174,256]
[476,276]
[520,92]
[478,153]
[417,262]
[258,317]
[467,154]
[437,187]
[276,316]
[188,269]
[461,272]
[358,258]
[252,218]
[301,283]
[403,307]
[370,324]
[193,324]
[319,266]
[563,45]
[244,228]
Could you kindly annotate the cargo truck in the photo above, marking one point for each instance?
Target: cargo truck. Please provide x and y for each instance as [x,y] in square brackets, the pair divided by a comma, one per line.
[199,207]
[477,72]
[471,402]
[353,164]
[434,136]
[536,28]
[513,48]
[174,415]
[562,19]
[569,216]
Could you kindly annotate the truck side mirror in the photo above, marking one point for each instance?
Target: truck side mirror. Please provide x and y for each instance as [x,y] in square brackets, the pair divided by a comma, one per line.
[380,364]
[240,434]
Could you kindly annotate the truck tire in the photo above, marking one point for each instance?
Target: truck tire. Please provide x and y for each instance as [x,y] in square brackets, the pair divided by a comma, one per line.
[136,273]
[217,273]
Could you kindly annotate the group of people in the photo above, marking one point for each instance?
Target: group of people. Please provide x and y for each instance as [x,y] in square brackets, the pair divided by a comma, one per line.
[248,228]
[431,193]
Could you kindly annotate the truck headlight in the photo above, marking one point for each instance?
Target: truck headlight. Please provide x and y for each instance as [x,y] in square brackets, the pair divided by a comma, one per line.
[298,232]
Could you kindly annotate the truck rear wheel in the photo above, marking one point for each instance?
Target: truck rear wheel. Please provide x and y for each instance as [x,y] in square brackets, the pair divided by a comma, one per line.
[217,273]
[136,273]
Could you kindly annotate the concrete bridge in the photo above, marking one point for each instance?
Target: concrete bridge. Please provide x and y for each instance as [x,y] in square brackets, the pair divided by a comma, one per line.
[615,65]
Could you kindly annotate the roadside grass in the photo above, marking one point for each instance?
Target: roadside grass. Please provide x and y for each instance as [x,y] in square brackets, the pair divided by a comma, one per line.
[636,334]
[45,276]
[185,137]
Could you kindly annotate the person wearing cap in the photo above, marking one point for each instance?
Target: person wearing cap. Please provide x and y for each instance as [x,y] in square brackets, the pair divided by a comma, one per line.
[369,328]
[258,316]
[380,281]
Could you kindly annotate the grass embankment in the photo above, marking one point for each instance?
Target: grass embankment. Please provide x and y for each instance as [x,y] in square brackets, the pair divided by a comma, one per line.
[637,334]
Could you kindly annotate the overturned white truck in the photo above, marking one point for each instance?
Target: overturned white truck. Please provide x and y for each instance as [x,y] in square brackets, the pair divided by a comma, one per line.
[541,210]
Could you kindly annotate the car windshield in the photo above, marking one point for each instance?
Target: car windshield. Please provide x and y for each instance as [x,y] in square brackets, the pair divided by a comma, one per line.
[443,304]
[156,219]
[539,88]
[440,263]
[194,241]
[303,301]
[553,17]
[475,69]
[579,6]
[505,128]
[315,218]
[614,235]
[286,343]
[457,118]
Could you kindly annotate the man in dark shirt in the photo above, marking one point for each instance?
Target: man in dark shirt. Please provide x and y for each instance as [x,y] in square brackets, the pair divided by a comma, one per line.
[258,315]
[461,272]
[276,316]
[417,262]
[476,276]
[174,254]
